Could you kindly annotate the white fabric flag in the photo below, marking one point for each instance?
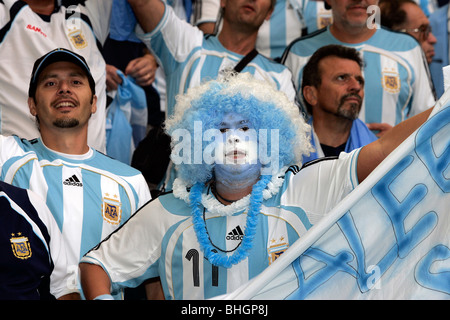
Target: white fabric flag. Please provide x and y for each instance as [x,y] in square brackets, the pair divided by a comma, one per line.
[388,239]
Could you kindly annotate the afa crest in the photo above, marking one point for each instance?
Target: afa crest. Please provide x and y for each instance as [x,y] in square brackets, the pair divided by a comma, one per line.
[276,249]
[111,210]
[20,247]
[78,39]
[391,81]
[324,18]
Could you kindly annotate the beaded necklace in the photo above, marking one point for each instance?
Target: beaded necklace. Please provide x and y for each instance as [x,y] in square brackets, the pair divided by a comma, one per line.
[222,259]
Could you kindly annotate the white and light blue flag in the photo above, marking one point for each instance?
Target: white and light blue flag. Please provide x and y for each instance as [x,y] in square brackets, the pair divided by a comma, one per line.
[388,239]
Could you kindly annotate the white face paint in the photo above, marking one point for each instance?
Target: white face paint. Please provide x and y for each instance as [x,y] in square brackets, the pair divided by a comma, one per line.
[237,151]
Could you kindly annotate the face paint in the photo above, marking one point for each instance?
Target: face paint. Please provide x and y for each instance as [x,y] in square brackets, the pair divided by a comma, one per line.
[238,144]
[237,151]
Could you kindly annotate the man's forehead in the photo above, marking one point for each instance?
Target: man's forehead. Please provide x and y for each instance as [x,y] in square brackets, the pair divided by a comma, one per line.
[334,64]
[234,118]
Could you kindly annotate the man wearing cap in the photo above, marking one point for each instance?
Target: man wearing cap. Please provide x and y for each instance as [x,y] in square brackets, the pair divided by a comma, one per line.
[397,84]
[88,193]
[234,209]
[31,28]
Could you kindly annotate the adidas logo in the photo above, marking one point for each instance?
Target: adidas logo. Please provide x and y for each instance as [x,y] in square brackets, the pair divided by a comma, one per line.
[235,234]
[73,181]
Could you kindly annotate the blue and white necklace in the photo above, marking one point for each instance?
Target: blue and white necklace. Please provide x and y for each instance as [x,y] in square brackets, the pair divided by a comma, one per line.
[242,251]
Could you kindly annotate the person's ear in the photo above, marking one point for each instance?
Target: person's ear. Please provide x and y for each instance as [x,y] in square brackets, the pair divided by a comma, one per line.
[94,104]
[310,95]
[32,106]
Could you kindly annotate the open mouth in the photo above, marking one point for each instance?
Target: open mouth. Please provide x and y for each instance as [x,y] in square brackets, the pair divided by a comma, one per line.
[64,105]
[235,156]
[248,8]
[357,6]
[236,153]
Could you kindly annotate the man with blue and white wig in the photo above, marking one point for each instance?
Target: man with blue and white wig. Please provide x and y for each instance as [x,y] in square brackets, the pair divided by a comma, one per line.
[240,198]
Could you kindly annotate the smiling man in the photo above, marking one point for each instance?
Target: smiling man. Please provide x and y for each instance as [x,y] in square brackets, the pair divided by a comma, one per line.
[88,193]
[62,98]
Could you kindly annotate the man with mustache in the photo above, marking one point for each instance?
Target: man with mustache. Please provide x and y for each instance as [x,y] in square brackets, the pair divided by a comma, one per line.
[88,193]
[397,80]
[333,89]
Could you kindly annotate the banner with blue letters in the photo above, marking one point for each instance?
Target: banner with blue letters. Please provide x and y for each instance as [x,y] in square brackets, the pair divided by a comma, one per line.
[389,239]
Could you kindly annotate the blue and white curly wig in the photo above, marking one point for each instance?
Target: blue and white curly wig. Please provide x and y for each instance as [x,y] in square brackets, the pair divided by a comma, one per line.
[258,101]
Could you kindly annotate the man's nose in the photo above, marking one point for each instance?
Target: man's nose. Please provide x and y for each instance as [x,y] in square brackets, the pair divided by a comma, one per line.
[64,87]
[233,138]
[355,85]
[431,38]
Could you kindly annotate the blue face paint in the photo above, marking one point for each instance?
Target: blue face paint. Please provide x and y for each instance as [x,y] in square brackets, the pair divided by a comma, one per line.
[237,162]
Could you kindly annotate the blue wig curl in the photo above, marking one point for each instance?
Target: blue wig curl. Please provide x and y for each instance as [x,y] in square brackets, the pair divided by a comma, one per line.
[258,101]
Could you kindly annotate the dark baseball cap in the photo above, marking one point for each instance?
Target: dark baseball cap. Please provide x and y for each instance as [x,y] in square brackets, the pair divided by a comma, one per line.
[58,55]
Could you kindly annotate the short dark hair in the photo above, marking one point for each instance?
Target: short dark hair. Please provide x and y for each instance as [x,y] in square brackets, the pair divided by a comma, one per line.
[56,55]
[311,72]
[392,16]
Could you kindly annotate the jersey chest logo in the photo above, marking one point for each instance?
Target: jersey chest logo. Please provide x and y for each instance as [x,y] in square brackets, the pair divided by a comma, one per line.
[391,81]
[37,30]
[276,249]
[20,246]
[111,209]
[78,39]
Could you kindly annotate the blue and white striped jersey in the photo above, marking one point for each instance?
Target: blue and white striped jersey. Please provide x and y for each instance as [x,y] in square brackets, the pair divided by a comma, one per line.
[397,81]
[33,260]
[160,241]
[189,58]
[289,20]
[89,195]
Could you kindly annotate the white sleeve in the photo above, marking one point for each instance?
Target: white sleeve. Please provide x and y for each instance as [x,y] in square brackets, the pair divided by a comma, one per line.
[287,85]
[205,11]
[4,15]
[173,40]
[99,13]
[142,190]
[319,187]
[423,93]
[62,279]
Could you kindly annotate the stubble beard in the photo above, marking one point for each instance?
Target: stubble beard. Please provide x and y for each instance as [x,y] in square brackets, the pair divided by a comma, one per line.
[350,112]
[66,123]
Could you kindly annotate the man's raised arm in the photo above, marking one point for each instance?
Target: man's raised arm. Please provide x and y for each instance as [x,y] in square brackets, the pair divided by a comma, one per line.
[372,154]
[148,13]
